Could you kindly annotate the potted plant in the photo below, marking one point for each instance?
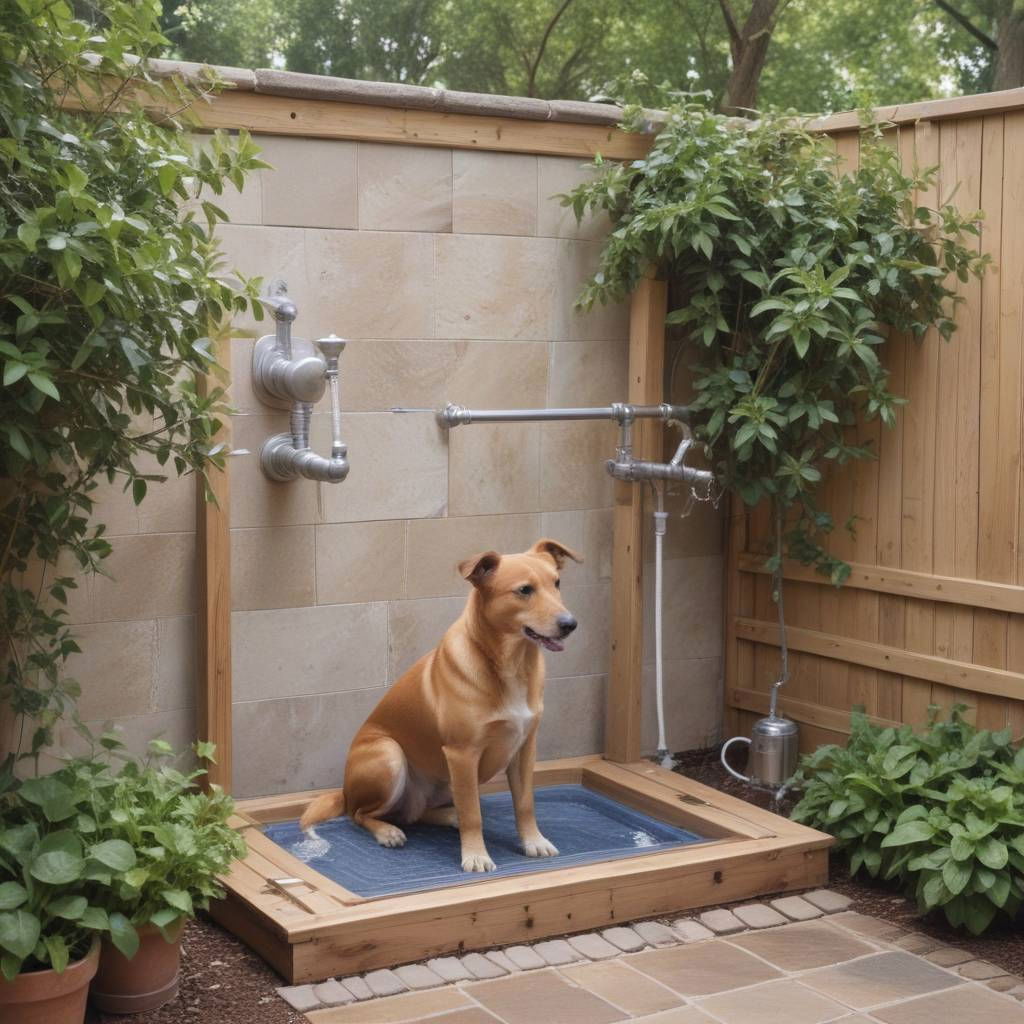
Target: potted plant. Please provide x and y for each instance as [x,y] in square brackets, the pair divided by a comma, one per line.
[56,871]
[182,842]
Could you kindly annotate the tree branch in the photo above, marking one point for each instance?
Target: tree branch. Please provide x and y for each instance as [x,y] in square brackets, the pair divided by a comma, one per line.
[964,22]
[730,22]
[532,79]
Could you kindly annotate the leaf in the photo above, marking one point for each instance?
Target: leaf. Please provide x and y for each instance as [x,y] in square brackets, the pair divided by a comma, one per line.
[909,832]
[956,875]
[57,949]
[19,932]
[123,935]
[94,919]
[59,860]
[41,382]
[115,854]
[71,908]
[12,894]
[13,372]
[992,853]
[28,235]
[179,899]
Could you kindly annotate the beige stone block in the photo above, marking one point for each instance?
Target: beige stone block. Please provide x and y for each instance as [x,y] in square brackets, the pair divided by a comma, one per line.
[241,396]
[148,576]
[573,456]
[360,562]
[255,499]
[702,969]
[381,374]
[436,546]
[588,372]
[175,727]
[587,650]
[404,188]
[369,284]
[880,979]
[495,193]
[800,947]
[311,183]
[313,734]
[573,722]
[557,175]
[589,533]
[620,984]
[273,567]
[693,704]
[691,608]
[577,264]
[416,627]
[115,668]
[497,287]
[175,673]
[967,1005]
[169,505]
[780,1002]
[242,207]
[296,651]
[542,995]
[399,468]
[113,507]
[494,468]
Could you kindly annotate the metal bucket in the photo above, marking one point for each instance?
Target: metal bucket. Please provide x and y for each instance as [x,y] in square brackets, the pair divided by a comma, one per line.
[774,748]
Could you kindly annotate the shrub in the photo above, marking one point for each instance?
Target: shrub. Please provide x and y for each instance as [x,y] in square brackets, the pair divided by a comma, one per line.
[941,812]
[108,297]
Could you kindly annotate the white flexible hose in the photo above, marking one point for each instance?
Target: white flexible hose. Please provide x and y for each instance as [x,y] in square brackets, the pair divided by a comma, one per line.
[660,515]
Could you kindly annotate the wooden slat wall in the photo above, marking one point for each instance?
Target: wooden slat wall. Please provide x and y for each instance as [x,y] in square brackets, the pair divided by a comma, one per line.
[937,594]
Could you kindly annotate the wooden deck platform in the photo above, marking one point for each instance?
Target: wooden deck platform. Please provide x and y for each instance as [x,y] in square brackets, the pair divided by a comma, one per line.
[310,928]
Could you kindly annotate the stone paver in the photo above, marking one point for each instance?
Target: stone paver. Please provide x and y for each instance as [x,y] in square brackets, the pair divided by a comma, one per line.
[556,952]
[702,970]
[621,985]
[450,968]
[778,1002]
[872,927]
[721,922]
[796,908]
[593,947]
[1017,992]
[948,956]
[410,1006]
[542,996]
[801,947]
[299,997]
[1004,983]
[358,988]
[481,967]
[828,901]
[525,958]
[916,942]
[656,934]
[333,993]
[384,982]
[418,977]
[979,970]
[624,938]
[502,960]
[967,1005]
[691,931]
[757,915]
[883,978]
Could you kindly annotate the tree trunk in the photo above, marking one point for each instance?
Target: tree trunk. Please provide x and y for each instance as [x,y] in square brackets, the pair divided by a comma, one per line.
[1010,55]
[749,46]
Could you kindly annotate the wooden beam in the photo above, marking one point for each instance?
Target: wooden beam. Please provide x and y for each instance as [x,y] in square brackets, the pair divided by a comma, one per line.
[213,552]
[960,674]
[1004,597]
[833,719]
[623,720]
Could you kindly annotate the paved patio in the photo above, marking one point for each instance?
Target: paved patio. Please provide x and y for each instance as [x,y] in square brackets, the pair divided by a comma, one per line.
[791,961]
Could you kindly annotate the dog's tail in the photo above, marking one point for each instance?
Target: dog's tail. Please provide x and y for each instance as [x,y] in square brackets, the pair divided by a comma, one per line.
[330,805]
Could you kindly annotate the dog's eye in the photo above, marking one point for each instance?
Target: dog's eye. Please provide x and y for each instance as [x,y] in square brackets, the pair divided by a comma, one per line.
[558,584]
[525,590]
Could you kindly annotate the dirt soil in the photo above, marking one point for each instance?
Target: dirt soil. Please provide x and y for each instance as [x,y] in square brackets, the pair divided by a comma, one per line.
[224,982]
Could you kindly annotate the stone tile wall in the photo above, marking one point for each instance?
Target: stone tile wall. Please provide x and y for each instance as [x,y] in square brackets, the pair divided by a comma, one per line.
[454,274]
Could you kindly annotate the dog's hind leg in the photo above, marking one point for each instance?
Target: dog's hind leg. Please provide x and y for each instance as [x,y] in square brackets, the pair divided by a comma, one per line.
[375,780]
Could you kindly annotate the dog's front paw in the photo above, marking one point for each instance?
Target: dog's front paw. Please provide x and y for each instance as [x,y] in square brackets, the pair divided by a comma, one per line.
[539,847]
[390,835]
[477,862]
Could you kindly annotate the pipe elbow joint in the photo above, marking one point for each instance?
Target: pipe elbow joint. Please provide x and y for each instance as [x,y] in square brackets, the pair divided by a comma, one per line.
[316,467]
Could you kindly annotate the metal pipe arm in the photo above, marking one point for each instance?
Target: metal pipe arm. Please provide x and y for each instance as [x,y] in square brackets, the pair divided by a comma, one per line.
[457,415]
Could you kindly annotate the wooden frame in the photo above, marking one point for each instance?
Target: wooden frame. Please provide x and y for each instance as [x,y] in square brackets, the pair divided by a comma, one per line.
[309,927]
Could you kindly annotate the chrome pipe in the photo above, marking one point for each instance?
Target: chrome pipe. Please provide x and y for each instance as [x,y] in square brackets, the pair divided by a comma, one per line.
[457,415]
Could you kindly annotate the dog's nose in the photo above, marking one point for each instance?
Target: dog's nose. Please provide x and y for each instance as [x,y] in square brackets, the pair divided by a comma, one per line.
[566,623]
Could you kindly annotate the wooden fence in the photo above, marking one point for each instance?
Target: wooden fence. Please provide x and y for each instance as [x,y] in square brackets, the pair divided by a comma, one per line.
[934,609]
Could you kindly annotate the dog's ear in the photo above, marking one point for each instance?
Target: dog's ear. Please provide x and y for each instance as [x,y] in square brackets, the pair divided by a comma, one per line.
[479,568]
[558,552]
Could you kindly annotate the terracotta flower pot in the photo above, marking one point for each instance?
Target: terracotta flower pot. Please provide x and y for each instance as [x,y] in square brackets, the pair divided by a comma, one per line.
[148,980]
[49,997]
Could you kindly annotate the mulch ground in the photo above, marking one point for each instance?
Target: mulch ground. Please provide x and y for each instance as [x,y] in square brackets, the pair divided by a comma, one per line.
[224,982]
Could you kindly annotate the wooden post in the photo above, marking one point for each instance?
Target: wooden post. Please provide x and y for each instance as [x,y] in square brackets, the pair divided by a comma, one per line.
[213,627]
[625,685]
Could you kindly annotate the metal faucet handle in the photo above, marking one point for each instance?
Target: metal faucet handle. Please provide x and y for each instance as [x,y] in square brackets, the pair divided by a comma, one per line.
[331,348]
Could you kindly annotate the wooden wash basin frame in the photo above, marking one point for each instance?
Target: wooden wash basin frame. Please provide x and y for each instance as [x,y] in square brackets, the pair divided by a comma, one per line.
[309,927]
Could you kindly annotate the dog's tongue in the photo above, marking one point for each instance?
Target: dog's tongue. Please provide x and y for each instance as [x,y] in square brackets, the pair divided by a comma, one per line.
[551,644]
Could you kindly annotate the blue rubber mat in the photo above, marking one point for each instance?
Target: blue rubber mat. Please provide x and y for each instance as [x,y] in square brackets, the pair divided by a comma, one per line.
[584,825]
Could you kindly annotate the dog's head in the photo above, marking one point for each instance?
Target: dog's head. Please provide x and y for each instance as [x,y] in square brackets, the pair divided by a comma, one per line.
[520,593]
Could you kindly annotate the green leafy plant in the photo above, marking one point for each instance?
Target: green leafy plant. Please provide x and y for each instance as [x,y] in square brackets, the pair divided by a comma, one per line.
[111,283]
[940,813]
[92,850]
[787,276]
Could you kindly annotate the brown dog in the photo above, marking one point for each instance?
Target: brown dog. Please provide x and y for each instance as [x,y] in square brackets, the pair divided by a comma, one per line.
[463,713]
